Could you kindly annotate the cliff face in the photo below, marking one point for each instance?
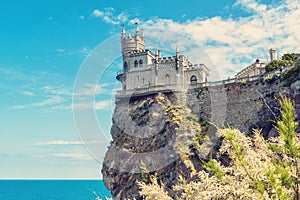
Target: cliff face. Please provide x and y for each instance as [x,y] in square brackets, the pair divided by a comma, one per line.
[151,135]
[154,135]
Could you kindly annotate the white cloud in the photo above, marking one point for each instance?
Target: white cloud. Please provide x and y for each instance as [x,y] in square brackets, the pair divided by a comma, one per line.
[93,89]
[74,156]
[27,93]
[251,5]
[83,52]
[50,101]
[234,43]
[55,91]
[100,105]
[109,17]
[81,17]
[59,142]
[103,105]
[98,13]
[66,143]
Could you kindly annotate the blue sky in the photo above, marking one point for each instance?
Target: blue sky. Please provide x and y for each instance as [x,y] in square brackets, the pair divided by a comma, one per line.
[43,44]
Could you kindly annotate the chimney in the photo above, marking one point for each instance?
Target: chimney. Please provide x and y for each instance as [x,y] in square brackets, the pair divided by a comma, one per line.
[273,54]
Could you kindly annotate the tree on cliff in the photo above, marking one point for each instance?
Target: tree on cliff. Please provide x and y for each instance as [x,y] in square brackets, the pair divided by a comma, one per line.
[286,59]
[258,169]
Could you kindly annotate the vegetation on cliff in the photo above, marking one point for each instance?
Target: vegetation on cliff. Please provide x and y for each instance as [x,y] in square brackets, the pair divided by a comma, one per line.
[287,59]
[255,169]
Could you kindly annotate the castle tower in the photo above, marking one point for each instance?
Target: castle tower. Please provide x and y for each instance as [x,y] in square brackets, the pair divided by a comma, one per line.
[135,43]
[273,54]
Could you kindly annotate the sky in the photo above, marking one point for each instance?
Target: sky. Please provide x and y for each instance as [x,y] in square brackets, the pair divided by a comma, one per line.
[46,44]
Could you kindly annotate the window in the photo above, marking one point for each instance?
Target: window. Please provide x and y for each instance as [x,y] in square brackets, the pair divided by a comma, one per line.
[136,64]
[125,67]
[193,80]
[141,63]
[167,79]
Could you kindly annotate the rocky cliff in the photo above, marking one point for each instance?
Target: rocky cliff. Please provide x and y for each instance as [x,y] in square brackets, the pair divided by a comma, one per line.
[154,134]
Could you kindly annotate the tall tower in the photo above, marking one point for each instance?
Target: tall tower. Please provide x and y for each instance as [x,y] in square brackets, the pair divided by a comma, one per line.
[129,43]
[273,54]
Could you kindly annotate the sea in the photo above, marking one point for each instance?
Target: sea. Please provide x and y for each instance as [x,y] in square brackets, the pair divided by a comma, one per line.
[53,190]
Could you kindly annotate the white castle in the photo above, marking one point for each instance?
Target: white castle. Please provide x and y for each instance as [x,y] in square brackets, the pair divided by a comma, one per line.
[146,72]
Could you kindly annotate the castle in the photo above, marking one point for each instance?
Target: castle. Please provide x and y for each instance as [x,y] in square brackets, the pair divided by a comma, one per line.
[145,71]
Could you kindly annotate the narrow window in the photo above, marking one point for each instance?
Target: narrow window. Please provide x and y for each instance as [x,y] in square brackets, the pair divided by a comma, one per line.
[125,67]
[193,80]
[136,64]
[167,79]
[141,63]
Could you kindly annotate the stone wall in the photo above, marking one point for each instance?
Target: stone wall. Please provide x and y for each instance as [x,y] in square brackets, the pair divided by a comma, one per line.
[240,105]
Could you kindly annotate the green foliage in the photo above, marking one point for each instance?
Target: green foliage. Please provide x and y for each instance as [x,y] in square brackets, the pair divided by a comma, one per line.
[195,145]
[277,64]
[212,166]
[259,169]
[291,74]
[287,125]
[290,56]
[286,60]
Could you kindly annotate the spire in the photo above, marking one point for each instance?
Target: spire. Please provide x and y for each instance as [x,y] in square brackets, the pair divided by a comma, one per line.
[123,32]
[129,35]
[136,28]
[143,35]
[177,50]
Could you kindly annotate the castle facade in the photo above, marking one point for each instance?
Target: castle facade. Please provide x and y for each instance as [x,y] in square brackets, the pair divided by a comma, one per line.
[144,70]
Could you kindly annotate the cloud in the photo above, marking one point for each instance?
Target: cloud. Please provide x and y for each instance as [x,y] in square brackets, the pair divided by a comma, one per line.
[73,156]
[59,142]
[27,93]
[251,5]
[55,91]
[94,89]
[83,51]
[232,42]
[50,101]
[103,105]
[100,105]
[109,17]
[81,17]
[65,143]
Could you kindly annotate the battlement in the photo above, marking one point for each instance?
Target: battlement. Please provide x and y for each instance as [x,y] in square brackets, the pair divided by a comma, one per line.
[130,44]
[167,59]
[140,52]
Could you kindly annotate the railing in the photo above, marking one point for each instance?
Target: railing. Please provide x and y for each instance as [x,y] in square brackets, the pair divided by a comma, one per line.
[151,89]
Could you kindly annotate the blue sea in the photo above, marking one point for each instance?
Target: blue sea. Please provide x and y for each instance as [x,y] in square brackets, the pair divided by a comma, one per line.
[52,189]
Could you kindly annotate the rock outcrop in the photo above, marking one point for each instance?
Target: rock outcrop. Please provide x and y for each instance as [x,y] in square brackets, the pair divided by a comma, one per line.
[153,135]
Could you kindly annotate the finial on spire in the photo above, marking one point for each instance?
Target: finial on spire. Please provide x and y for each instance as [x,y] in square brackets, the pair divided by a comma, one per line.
[123,31]
[177,50]
[129,35]
[136,29]
[143,35]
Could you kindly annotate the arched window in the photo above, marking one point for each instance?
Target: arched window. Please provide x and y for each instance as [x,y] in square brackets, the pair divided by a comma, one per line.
[167,79]
[193,80]
[125,67]
[141,63]
[136,64]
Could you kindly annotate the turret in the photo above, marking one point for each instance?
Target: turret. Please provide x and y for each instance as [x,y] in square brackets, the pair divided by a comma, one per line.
[129,44]
[273,54]
[123,32]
